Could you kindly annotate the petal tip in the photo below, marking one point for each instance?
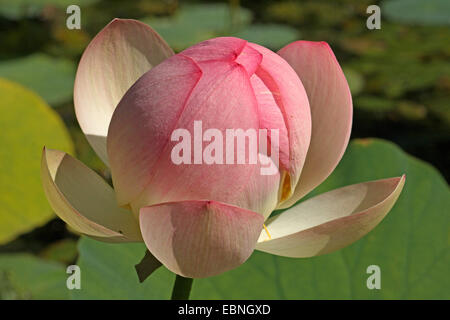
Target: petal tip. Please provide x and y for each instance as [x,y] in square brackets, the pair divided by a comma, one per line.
[355,211]
[200,238]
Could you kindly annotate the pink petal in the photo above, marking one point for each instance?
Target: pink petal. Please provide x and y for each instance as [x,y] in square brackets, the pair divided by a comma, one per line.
[223,99]
[330,221]
[217,49]
[122,52]
[139,140]
[200,239]
[331,111]
[226,49]
[291,98]
[141,126]
[270,117]
[250,59]
[84,200]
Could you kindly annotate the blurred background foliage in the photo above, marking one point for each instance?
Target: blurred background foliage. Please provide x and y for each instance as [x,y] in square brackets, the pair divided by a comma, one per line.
[400,81]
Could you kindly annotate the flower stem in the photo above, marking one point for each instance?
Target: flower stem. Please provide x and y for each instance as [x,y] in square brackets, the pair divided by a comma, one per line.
[182,288]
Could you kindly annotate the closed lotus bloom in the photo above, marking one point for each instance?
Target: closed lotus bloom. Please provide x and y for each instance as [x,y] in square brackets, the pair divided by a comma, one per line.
[189,137]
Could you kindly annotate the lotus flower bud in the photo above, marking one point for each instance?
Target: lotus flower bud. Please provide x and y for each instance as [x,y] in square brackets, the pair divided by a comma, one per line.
[205,144]
[222,96]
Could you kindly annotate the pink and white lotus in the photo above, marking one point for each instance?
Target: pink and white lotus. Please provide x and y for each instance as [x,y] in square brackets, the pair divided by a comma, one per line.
[199,220]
